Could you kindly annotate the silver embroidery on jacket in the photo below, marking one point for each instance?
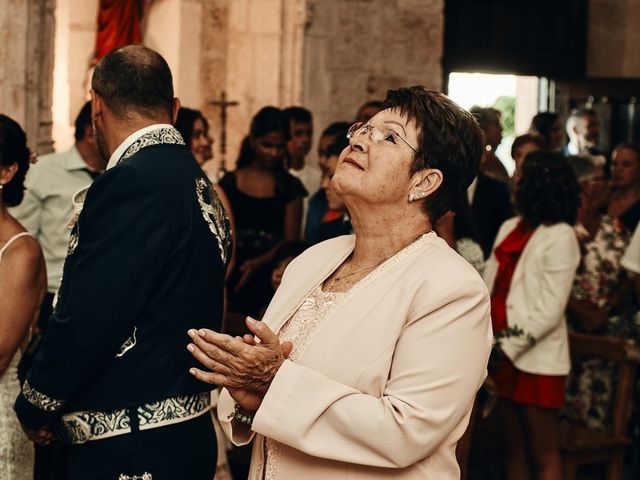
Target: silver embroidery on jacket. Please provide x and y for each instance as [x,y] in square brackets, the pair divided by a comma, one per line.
[215,216]
[144,476]
[80,427]
[73,239]
[39,399]
[159,136]
[129,344]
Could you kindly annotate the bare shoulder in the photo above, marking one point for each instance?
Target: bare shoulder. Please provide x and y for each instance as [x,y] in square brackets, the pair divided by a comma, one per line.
[23,255]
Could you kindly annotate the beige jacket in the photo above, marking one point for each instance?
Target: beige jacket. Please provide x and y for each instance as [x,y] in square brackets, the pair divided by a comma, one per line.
[385,389]
[538,296]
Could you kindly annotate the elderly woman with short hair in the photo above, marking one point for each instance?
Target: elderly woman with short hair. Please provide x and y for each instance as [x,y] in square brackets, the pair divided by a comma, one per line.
[374,346]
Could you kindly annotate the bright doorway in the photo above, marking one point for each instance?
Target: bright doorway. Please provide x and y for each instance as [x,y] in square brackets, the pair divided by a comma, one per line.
[515,96]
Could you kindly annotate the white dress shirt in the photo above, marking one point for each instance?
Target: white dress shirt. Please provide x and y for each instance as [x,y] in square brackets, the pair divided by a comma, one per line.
[47,206]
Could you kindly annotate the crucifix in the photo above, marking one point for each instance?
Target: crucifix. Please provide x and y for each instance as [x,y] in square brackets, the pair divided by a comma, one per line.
[223,103]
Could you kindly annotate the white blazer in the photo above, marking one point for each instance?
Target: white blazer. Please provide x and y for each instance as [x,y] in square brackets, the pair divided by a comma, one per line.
[385,388]
[538,296]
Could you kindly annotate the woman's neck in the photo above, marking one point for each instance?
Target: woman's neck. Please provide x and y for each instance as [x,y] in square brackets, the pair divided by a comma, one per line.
[379,237]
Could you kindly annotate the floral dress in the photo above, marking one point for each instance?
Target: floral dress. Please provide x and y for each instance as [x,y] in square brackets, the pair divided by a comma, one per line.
[590,384]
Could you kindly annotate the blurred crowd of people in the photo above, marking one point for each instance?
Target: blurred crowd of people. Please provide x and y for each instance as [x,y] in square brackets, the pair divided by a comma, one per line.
[557,243]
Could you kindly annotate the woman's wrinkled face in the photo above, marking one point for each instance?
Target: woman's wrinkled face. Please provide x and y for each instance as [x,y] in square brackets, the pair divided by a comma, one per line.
[625,168]
[375,167]
[269,149]
[200,142]
[328,171]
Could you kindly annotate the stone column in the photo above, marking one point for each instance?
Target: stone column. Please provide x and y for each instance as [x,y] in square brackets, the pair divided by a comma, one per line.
[173,28]
[356,50]
[26,67]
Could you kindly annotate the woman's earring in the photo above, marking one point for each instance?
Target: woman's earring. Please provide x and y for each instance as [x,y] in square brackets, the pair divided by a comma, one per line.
[415,196]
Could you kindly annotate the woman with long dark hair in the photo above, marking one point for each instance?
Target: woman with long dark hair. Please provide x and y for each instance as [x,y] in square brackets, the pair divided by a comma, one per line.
[267,205]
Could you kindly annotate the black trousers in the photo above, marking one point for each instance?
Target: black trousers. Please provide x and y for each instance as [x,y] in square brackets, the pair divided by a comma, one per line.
[186,450]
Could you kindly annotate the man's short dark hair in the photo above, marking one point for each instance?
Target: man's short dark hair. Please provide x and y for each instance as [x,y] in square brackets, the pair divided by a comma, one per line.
[134,80]
[298,114]
[449,139]
[83,121]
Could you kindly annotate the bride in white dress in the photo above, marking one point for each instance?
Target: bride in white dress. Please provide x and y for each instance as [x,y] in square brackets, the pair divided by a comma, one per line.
[22,288]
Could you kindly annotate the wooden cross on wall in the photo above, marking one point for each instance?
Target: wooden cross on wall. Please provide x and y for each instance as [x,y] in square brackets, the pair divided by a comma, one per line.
[223,103]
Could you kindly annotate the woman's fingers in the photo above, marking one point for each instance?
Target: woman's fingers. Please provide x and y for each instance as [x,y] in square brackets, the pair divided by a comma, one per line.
[263,332]
[212,378]
[205,338]
[209,361]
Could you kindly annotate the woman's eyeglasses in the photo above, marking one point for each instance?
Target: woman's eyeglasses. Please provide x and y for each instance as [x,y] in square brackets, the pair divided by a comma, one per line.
[376,134]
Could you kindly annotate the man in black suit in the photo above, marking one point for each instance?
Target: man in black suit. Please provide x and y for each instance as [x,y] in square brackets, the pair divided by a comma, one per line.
[145,263]
[491,205]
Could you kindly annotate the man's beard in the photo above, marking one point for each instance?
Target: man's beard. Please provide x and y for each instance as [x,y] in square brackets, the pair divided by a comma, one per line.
[101,143]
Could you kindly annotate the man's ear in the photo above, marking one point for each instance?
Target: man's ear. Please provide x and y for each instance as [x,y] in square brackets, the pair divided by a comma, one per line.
[97,105]
[425,183]
[176,109]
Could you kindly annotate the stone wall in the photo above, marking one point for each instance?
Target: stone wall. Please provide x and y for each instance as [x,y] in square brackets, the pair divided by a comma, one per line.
[26,65]
[357,49]
[252,49]
[613,39]
[75,40]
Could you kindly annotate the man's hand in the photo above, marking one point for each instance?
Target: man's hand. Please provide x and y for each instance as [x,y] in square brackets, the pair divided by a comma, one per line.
[39,437]
[236,363]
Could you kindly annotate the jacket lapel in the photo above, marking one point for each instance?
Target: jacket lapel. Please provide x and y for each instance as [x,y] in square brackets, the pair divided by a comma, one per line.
[283,307]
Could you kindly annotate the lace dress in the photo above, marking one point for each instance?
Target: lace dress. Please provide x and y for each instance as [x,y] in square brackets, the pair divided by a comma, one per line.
[16,451]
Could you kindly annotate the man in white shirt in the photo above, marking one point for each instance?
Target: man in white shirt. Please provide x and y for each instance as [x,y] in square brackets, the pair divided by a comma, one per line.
[47,205]
[583,129]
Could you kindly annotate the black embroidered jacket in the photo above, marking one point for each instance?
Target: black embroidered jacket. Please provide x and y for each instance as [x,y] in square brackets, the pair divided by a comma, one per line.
[146,262]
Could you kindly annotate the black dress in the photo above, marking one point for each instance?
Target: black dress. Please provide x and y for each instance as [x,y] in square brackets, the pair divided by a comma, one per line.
[259,223]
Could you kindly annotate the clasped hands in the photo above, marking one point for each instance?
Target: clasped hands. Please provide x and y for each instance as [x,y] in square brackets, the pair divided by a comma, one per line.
[242,365]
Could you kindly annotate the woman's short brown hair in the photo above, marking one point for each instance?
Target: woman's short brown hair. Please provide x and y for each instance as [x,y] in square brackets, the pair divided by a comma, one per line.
[449,139]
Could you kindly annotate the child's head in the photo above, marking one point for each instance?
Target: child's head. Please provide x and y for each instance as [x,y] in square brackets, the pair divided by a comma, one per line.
[282,257]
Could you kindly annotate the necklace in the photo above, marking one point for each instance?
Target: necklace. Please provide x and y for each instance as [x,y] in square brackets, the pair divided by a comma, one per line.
[337,277]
